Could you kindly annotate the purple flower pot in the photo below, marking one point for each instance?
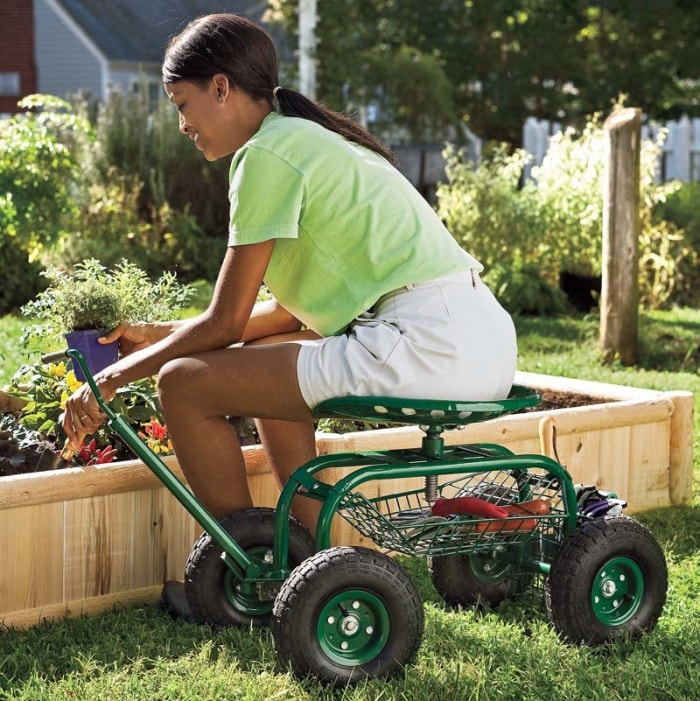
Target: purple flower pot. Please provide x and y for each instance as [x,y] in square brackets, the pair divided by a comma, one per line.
[97,355]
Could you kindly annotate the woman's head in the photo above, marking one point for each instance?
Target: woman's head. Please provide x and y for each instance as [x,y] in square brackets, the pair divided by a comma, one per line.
[220,72]
[233,49]
[224,44]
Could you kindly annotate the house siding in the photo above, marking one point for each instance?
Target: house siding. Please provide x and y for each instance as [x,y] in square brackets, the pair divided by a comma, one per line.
[17,50]
[67,64]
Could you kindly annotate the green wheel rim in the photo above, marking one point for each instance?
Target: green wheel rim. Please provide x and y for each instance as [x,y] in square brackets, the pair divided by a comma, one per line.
[486,569]
[617,591]
[353,627]
[248,604]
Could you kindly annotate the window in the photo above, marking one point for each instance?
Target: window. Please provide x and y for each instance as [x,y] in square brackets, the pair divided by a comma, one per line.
[9,84]
[151,89]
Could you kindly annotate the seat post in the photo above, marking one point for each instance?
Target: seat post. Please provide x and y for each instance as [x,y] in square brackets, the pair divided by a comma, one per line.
[433,445]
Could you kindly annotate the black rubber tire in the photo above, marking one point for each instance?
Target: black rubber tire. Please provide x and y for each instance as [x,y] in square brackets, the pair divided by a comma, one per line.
[608,581]
[382,603]
[210,584]
[465,580]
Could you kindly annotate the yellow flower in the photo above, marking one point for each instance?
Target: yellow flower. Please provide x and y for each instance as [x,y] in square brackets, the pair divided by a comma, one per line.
[57,369]
[72,383]
[64,399]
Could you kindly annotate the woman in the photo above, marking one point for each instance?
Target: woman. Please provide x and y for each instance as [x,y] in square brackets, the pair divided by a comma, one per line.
[372,296]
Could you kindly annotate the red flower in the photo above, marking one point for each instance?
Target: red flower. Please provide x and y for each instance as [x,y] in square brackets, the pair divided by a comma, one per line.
[90,454]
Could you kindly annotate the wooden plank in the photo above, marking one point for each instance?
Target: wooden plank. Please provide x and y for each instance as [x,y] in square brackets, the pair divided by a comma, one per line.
[649,466]
[98,543]
[681,447]
[26,618]
[162,538]
[31,543]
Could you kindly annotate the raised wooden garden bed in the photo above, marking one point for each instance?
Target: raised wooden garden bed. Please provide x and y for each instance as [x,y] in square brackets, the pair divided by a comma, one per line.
[83,540]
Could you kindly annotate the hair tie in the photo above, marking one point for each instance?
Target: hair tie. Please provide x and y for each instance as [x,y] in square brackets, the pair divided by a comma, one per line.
[276,90]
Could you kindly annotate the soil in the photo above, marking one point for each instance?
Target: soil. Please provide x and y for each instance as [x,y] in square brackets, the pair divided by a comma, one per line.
[19,457]
[565,400]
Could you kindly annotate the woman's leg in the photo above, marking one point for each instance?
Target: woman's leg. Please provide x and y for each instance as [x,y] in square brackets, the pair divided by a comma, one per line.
[289,444]
[199,392]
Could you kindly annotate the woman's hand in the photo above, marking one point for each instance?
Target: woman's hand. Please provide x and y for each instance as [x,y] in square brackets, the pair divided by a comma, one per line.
[132,337]
[83,415]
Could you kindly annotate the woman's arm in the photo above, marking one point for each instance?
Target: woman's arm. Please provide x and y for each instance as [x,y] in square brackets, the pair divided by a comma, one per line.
[269,318]
[222,324]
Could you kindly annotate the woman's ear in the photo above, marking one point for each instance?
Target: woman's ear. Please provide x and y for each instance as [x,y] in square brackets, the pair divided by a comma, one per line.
[221,85]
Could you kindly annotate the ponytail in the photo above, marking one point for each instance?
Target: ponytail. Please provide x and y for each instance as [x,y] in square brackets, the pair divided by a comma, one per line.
[291,103]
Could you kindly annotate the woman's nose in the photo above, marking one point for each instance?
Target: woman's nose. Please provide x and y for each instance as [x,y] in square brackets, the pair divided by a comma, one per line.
[181,124]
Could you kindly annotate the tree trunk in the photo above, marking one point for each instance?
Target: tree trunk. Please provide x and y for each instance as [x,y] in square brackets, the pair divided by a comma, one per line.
[620,285]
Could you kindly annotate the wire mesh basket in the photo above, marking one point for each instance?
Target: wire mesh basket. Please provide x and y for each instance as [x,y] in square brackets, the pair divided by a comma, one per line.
[405,522]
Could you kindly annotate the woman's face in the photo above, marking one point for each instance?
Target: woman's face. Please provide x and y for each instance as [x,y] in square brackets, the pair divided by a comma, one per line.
[216,117]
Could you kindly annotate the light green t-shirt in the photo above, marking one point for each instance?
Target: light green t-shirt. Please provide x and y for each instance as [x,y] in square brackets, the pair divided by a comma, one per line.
[348,226]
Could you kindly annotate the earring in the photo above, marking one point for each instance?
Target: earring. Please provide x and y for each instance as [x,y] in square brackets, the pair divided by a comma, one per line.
[220,98]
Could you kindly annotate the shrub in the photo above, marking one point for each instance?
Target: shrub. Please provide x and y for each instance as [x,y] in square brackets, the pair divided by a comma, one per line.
[521,289]
[487,212]
[678,216]
[555,222]
[40,166]
[20,276]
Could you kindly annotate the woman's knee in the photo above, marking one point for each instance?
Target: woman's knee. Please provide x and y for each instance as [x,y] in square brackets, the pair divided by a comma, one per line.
[175,381]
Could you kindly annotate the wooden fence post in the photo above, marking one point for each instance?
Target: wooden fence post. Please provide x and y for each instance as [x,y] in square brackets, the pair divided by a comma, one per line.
[620,285]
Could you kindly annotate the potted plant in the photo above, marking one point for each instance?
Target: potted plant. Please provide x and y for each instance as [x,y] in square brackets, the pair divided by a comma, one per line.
[89,309]
[89,301]
[89,296]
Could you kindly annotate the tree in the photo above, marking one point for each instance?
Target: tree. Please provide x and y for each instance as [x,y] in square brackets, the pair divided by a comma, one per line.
[507,59]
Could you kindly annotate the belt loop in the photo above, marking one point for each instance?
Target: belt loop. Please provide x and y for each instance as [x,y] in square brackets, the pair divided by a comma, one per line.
[473,278]
[409,287]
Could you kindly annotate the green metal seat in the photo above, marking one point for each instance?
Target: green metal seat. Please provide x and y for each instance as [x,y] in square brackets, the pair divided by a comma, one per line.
[425,412]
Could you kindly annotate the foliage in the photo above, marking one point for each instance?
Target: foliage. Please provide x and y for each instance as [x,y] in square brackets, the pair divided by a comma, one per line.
[678,215]
[147,173]
[108,227]
[487,212]
[20,275]
[411,91]
[93,296]
[47,389]
[129,295]
[522,289]
[569,196]
[506,61]
[40,168]
[555,222]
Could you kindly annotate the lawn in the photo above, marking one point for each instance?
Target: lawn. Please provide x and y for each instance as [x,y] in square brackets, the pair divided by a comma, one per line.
[512,654]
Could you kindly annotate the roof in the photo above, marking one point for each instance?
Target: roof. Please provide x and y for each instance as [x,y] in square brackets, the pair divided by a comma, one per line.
[138,30]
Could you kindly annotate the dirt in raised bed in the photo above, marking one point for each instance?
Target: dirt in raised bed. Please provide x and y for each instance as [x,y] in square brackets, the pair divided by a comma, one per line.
[565,400]
[16,458]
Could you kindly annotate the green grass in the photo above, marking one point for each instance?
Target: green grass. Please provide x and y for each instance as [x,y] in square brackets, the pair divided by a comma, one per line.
[143,654]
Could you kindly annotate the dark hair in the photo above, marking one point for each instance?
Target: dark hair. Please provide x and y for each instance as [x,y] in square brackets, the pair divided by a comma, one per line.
[245,53]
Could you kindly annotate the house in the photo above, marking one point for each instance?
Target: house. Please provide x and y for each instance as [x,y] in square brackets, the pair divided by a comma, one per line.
[60,47]
[17,65]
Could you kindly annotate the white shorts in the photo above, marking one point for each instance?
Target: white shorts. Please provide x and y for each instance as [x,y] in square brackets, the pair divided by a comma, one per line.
[447,338]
